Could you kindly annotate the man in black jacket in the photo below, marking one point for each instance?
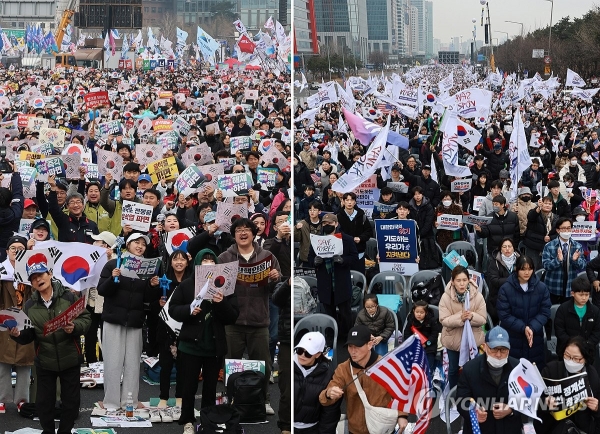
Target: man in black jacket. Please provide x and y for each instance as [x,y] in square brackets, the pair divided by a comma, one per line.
[577,316]
[282,299]
[11,210]
[485,379]
[504,224]
[354,222]
[431,189]
[497,160]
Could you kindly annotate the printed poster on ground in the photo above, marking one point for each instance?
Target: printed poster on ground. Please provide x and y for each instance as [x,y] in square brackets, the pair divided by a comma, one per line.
[398,240]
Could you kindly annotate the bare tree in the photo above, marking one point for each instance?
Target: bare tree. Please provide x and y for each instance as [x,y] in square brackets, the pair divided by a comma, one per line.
[168,26]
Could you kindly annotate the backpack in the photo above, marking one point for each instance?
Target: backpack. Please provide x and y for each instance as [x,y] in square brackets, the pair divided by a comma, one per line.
[153,373]
[245,391]
[304,301]
[219,419]
[429,291]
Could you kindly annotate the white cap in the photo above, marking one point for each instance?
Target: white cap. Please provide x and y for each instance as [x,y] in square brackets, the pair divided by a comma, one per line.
[312,342]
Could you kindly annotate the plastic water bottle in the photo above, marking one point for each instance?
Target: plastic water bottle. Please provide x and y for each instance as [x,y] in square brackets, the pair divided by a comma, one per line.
[117,192]
[129,405]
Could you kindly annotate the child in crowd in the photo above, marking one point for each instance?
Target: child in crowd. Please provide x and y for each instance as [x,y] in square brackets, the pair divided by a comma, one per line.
[421,321]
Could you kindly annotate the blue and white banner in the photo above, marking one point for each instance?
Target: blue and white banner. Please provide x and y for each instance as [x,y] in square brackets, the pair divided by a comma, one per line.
[397,244]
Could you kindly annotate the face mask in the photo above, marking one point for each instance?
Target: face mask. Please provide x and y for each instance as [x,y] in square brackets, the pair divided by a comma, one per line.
[496,208]
[580,218]
[573,367]
[526,198]
[328,229]
[496,363]
[565,235]
[573,162]
[446,203]
[542,151]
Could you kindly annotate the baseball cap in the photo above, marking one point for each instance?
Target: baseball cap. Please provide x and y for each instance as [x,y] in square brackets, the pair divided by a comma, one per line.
[312,342]
[37,223]
[28,203]
[497,337]
[144,177]
[359,335]
[35,268]
[330,218]
[108,237]
[426,167]
[137,236]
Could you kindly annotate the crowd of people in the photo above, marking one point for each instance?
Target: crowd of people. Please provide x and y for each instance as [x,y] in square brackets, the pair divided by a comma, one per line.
[227,133]
[529,274]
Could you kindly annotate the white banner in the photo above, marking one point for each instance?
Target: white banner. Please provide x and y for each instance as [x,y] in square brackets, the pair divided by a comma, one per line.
[327,246]
[449,222]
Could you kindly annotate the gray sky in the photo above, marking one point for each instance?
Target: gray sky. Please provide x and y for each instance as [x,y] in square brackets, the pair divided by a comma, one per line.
[453,17]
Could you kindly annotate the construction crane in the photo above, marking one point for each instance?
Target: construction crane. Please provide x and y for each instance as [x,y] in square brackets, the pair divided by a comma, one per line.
[65,20]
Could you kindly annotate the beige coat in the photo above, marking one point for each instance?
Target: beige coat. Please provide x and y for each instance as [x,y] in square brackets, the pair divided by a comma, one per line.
[451,311]
[522,209]
[11,352]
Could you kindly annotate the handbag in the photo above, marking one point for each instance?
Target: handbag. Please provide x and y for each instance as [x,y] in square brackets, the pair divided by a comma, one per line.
[380,420]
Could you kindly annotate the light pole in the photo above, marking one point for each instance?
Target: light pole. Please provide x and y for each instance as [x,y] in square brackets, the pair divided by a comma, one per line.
[474,43]
[499,31]
[550,35]
[485,3]
[516,22]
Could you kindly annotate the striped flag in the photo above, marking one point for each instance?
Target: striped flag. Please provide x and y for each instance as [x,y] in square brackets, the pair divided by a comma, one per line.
[473,417]
[403,373]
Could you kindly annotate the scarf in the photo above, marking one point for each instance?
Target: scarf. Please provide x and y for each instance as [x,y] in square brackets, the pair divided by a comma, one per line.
[509,261]
[306,371]
[461,297]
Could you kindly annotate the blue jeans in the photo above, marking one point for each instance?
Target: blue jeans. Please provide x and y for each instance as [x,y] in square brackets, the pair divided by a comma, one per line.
[453,358]
[273,332]
[381,348]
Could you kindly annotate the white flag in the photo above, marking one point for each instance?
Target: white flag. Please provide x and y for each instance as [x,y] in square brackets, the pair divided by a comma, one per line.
[574,79]
[517,148]
[240,27]
[434,172]
[269,24]
[470,103]
[525,386]
[468,345]
[447,83]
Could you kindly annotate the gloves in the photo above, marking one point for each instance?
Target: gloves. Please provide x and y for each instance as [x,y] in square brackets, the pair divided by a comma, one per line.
[318,261]
[337,259]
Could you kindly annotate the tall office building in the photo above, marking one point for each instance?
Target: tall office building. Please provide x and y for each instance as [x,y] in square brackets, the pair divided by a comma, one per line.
[429,29]
[194,12]
[254,13]
[305,28]
[413,30]
[418,27]
[379,22]
[16,14]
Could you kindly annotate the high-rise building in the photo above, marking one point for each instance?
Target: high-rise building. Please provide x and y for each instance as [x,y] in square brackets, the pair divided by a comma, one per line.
[16,14]
[429,29]
[194,12]
[413,30]
[379,22]
[254,13]
[420,25]
[156,13]
[305,28]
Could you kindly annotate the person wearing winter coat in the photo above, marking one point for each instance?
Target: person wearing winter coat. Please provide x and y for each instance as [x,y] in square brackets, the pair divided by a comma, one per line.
[487,207]
[591,169]
[312,374]
[540,230]
[460,302]
[354,222]
[560,206]
[504,224]
[496,160]
[422,212]
[304,228]
[380,321]
[574,168]
[571,190]
[11,210]
[577,316]
[422,320]
[523,309]
[481,187]
[447,206]
[522,207]
[531,177]
[431,189]
[282,300]
[500,266]
[302,177]
[485,379]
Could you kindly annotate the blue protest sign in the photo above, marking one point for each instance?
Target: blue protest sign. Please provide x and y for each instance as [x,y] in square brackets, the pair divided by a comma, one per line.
[397,245]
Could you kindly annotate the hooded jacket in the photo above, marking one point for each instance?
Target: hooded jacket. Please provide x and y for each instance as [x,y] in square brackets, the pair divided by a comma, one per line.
[381,324]
[253,302]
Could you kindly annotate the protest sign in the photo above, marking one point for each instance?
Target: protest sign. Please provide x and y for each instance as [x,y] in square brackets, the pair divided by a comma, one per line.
[163,169]
[242,143]
[197,155]
[189,180]
[51,138]
[92,172]
[251,94]
[35,124]
[228,163]
[71,163]
[28,175]
[220,277]
[266,177]
[398,187]
[211,172]
[178,240]
[96,99]
[226,212]
[327,246]
[569,394]
[160,125]
[213,129]
[274,156]
[460,185]
[65,317]
[384,208]
[584,231]
[181,126]
[47,167]
[234,184]
[147,153]
[137,267]
[305,272]
[366,195]
[233,366]
[476,220]
[25,226]
[256,274]
[23,119]
[453,259]
[14,317]
[397,242]
[478,202]
[110,162]
[137,215]
[110,128]
[30,156]
[449,222]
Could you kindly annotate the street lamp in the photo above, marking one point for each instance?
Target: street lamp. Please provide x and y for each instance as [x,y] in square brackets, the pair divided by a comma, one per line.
[550,35]
[485,3]
[516,22]
[506,33]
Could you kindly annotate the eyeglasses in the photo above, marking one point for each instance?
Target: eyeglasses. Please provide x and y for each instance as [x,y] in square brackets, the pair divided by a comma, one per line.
[301,351]
[239,171]
[371,307]
[243,230]
[564,229]
[500,351]
[14,249]
[567,356]
[76,202]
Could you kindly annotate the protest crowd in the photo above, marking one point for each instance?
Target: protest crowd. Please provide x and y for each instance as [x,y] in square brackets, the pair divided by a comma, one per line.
[446,228]
[146,215]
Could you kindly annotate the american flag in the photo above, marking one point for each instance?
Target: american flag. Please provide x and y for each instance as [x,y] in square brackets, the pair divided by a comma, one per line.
[403,373]
[385,108]
[473,416]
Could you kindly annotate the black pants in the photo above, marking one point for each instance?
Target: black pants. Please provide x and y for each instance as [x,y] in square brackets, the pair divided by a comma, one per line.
[190,367]
[46,398]
[285,387]
[166,366]
[343,316]
[152,347]
[91,337]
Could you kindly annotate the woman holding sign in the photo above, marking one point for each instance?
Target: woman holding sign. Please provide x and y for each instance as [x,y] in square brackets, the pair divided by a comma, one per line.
[447,206]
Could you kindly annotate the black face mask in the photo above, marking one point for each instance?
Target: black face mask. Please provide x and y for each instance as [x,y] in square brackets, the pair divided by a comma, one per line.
[526,198]
[328,229]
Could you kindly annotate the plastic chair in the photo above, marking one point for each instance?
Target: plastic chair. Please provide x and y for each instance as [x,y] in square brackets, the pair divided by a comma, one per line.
[462,247]
[390,281]
[552,341]
[357,277]
[371,249]
[540,274]
[422,276]
[322,323]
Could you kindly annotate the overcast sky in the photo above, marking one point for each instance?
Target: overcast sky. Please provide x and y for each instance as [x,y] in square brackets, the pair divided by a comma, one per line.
[453,17]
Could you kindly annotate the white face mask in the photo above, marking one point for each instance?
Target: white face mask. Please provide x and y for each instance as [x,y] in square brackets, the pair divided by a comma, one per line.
[542,151]
[573,367]
[573,162]
[580,218]
[446,203]
[565,235]
[496,363]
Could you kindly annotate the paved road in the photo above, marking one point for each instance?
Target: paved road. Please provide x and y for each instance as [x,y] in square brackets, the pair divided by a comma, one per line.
[11,421]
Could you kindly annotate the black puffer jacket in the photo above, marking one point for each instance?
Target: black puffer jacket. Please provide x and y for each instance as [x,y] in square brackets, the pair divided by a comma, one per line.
[500,227]
[71,228]
[124,301]
[307,408]
[567,324]
[496,277]
[224,313]
[282,299]
[11,215]
[430,328]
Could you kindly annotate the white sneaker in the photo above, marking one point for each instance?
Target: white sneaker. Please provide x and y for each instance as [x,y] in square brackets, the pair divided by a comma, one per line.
[176,413]
[269,410]
[272,379]
[165,415]
[188,428]
[155,415]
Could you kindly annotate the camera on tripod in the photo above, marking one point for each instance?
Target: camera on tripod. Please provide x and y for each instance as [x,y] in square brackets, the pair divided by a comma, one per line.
[4,166]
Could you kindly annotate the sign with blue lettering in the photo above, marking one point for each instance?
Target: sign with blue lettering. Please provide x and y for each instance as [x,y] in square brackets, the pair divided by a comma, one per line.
[397,245]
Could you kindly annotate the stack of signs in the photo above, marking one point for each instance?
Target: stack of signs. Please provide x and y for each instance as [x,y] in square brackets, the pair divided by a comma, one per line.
[163,169]
[267,177]
[49,166]
[189,181]
[147,153]
[178,240]
[234,184]
[274,156]
[137,267]
[255,274]
[72,163]
[327,246]
[227,212]
[397,240]
[243,143]
[137,215]
[220,277]
[197,155]
[110,162]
